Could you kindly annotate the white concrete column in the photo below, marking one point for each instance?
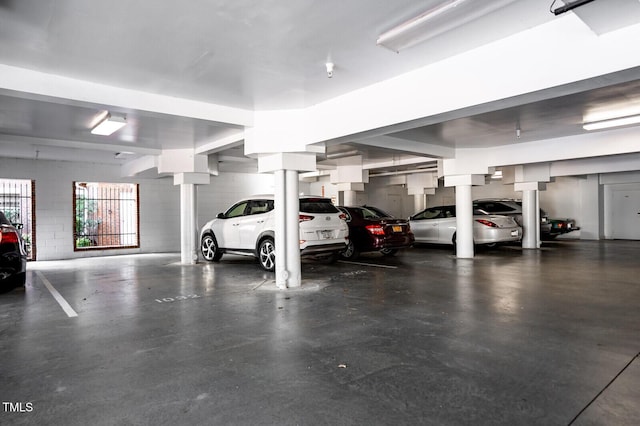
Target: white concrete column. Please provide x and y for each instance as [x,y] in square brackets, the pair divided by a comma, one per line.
[530,228]
[464,211]
[538,217]
[285,166]
[293,229]
[280,228]
[188,254]
[189,214]
[419,202]
[530,212]
[464,222]
[349,198]
[347,193]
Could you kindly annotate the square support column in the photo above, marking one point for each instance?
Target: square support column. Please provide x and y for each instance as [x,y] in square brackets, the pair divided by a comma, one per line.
[188,214]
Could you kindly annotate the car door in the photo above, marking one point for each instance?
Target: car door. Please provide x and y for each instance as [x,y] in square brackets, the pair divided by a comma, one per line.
[227,230]
[446,224]
[425,225]
[253,222]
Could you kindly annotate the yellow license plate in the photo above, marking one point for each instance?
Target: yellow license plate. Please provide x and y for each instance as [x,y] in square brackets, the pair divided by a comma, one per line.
[396,228]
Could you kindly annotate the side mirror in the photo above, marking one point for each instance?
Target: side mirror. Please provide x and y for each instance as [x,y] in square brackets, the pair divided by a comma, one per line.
[220,216]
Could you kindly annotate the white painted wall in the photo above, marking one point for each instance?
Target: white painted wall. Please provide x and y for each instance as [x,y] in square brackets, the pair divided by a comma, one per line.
[159,206]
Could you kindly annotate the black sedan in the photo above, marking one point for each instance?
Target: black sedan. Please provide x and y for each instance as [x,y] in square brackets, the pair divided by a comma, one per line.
[371,229]
[13,256]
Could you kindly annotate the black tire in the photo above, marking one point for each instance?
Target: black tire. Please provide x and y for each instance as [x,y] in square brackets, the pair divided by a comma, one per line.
[209,248]
[267,255]
[389,252]
[350,252]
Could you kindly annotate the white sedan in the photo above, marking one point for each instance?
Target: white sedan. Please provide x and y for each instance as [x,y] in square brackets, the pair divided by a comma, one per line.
[437,225]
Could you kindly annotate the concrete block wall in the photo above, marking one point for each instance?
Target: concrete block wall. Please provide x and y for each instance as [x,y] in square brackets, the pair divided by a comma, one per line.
[159,206]
[227,188]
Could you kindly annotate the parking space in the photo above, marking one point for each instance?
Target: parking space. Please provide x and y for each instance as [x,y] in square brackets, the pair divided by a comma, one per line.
[511,337]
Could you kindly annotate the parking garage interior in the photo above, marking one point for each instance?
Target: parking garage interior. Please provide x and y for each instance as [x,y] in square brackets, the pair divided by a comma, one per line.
[122,321]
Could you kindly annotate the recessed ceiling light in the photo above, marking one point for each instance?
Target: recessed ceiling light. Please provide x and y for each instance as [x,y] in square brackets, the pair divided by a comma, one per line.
[108,125]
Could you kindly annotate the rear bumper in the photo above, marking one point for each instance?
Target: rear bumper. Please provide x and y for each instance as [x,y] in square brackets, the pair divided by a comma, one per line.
[323,248]
[498,235]
[394,242]
[12,266]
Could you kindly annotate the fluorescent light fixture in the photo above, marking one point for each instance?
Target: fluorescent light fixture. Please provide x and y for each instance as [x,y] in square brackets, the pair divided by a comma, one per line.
[108,125]
[440,19]
[570,6]
[614,122]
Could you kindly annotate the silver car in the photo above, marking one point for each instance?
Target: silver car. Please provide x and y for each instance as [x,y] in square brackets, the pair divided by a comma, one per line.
[437,225]
[510,207]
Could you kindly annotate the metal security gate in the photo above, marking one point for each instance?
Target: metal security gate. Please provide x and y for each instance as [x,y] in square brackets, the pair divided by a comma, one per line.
[17,202]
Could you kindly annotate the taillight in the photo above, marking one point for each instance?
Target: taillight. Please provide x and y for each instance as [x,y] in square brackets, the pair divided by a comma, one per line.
[487,223]
[375,229]
[304,218]
[343,216]
[8,236]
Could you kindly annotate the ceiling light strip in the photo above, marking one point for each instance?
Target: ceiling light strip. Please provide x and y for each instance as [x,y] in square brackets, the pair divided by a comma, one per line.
[614,122]
[413,23]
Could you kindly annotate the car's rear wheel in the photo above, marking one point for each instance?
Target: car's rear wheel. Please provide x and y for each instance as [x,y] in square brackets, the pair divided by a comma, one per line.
[389,252]
[267,254]
[209,248]
[350,252]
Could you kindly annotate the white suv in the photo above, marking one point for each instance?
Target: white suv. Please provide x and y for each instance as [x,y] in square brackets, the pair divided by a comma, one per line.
[247,228]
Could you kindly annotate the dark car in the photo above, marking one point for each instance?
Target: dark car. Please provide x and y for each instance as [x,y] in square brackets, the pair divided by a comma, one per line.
[559,227]
[371,229]
[13,256]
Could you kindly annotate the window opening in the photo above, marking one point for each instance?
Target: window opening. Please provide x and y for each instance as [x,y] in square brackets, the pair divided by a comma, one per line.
[17,202]
[106,215]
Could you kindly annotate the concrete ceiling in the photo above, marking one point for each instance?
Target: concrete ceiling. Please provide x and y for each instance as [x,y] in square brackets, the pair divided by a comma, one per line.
[265,55]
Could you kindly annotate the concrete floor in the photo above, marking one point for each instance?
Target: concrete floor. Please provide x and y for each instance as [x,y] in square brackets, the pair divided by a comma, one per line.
[541,337]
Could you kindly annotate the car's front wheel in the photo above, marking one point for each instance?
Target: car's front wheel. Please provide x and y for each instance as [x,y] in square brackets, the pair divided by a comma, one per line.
[209,248]
[267,255]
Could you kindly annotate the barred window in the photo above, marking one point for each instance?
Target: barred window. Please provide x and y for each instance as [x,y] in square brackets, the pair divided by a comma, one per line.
[17,202]
[106,215]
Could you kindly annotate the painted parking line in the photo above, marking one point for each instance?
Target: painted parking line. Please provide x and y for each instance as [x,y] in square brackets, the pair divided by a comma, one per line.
[63,303]
[368,264]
